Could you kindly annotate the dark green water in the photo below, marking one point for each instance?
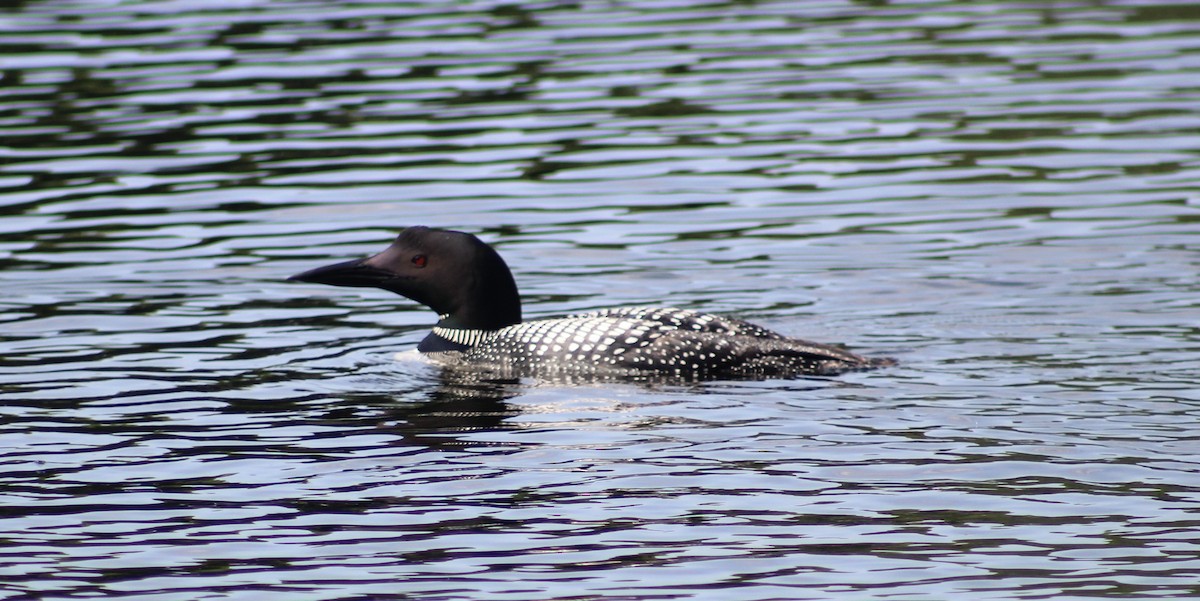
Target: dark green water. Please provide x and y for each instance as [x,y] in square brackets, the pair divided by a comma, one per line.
[1003,195]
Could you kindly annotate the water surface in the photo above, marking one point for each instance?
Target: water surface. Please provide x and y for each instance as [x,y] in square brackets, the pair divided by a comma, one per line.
[1005,196]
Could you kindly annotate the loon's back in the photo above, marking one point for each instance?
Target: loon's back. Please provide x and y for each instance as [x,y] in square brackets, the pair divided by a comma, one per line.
[472,290]
[628,340]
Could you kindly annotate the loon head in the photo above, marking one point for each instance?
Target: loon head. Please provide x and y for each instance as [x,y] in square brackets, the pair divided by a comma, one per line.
[454,273]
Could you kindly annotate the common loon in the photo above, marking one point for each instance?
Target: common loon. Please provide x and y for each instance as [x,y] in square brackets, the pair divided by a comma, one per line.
[472,290]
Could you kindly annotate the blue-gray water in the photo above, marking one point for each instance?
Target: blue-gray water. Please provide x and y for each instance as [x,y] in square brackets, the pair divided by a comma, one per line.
[1003,195]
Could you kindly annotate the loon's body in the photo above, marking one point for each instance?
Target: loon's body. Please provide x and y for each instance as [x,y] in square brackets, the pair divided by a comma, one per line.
[471,288]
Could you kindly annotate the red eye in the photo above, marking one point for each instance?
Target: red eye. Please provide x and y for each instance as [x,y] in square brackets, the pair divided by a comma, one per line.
[419,260]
